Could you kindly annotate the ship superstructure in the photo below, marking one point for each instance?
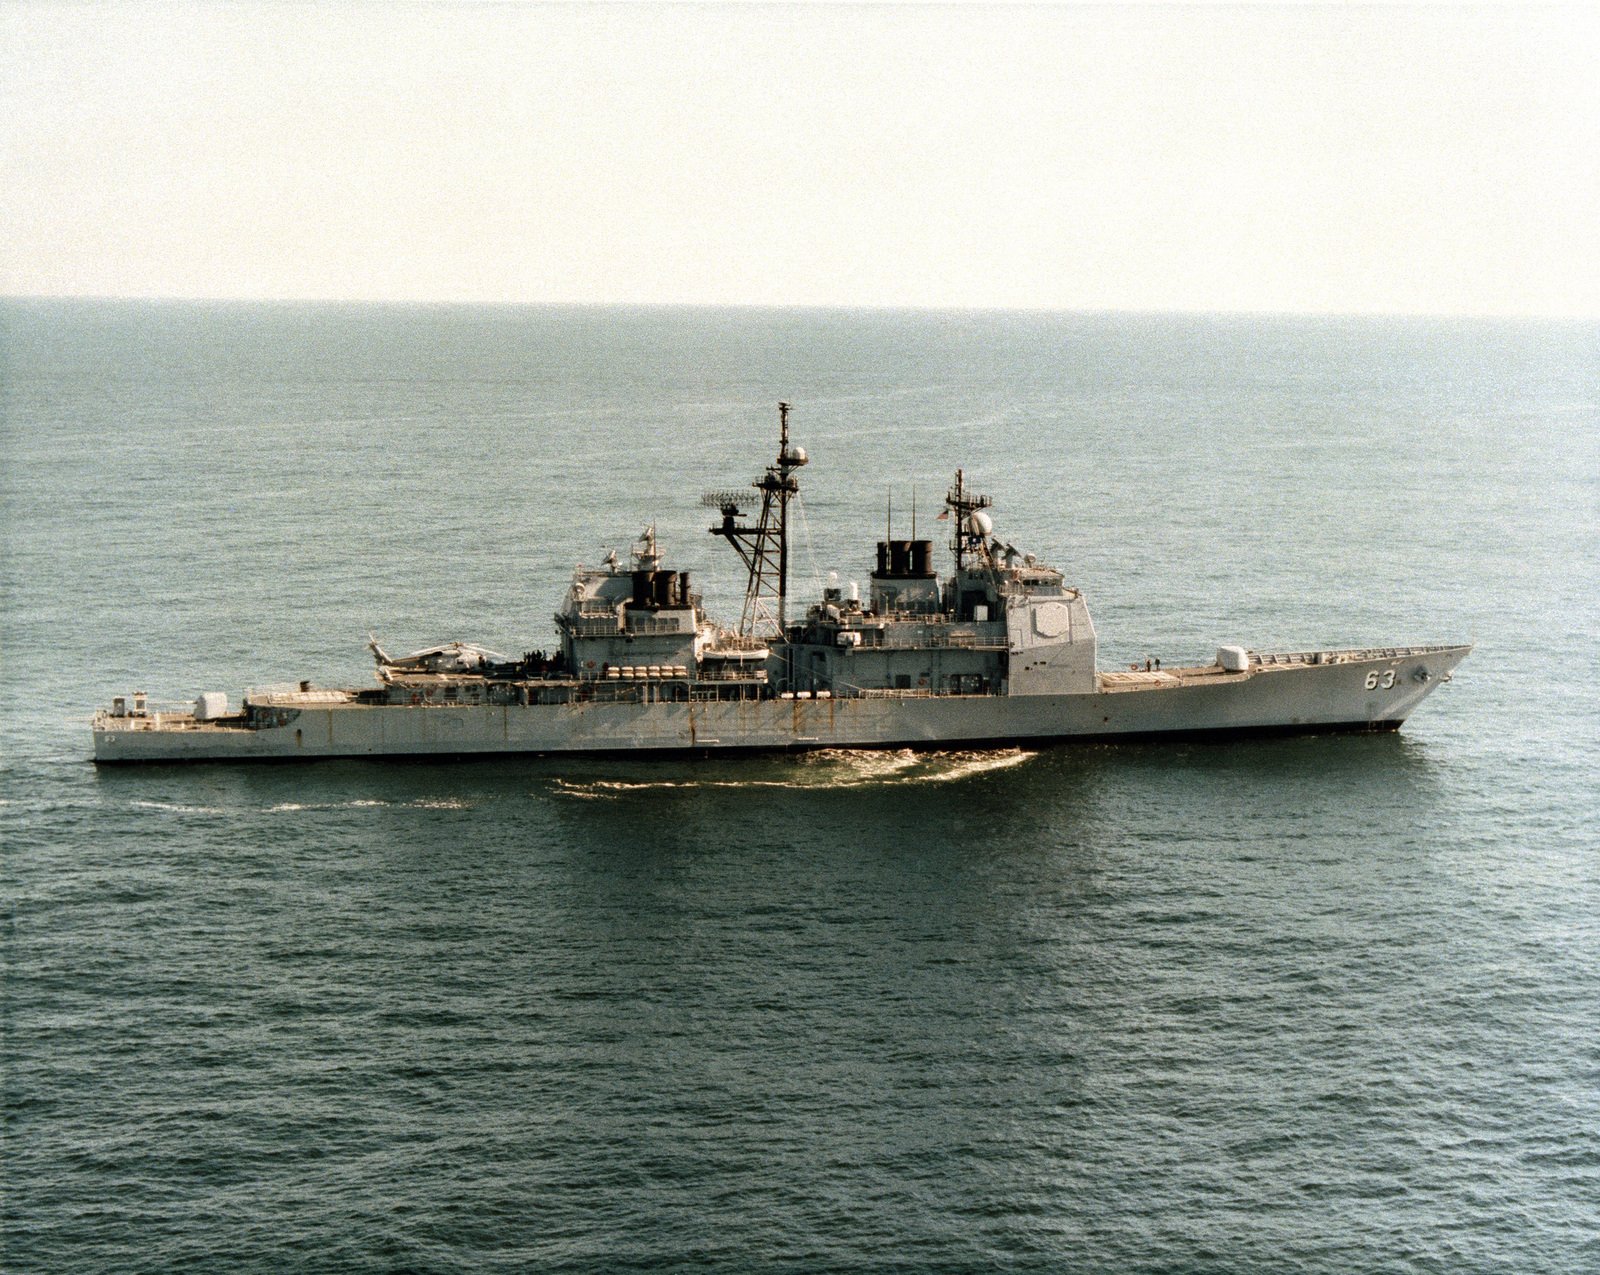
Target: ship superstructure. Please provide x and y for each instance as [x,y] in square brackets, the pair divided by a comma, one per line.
[1000,651]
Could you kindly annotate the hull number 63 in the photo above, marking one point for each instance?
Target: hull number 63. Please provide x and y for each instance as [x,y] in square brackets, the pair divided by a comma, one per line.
[1377,681]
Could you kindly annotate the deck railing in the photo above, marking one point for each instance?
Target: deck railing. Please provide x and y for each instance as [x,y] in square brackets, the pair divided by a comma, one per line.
[1347,656]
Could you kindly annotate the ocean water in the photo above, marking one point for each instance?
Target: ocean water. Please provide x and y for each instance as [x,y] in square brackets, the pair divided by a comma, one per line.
[1323,1004]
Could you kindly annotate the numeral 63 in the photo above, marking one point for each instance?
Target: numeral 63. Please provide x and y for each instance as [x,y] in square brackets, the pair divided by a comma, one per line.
[1377,681]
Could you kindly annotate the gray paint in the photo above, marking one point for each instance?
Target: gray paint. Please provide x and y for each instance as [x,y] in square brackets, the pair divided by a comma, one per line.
[1001,651]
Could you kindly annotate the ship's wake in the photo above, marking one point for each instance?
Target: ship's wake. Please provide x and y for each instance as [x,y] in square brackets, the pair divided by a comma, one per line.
[297,807]
[824,769]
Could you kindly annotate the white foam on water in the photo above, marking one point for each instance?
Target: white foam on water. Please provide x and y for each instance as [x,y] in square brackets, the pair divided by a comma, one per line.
[827,769]
[289,807]
[176,807]
[863,766]
[965,765]
[367,803]
[613,788]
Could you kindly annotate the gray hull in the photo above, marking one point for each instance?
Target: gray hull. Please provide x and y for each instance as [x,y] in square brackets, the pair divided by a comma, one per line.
[1321,691]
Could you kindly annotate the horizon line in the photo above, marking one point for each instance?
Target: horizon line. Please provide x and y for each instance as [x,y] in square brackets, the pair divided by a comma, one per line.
[874,306]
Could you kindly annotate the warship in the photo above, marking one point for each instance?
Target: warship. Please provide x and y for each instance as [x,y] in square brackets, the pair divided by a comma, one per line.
[999,652]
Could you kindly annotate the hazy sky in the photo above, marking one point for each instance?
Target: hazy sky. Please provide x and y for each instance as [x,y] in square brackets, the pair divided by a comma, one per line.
[1439,160]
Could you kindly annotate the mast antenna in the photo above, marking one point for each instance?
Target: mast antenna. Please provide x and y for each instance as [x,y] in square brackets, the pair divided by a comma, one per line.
[764,548]
[967,536]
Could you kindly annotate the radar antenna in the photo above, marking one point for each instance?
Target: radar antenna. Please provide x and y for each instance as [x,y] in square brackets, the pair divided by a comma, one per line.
[970,527]
[764,548]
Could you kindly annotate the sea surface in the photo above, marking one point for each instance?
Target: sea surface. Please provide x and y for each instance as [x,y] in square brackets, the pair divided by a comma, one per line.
[1309,1005]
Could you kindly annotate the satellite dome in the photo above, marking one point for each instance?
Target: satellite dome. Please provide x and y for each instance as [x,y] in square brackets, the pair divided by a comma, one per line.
[983,522]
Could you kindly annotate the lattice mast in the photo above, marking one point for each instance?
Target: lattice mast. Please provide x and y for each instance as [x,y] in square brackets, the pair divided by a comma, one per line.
[971,526]
[764,548]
